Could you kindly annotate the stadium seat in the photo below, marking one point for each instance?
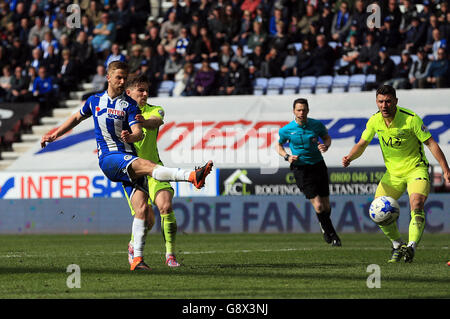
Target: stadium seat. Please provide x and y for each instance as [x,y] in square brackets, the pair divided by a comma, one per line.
[356,82]
[396,58]
[291,85]
[371,78]
[275,86]
[260,86]
[340,83]
[307,84]
[246,50]
[165,88]
[298,46]
[214,66]
[324,83]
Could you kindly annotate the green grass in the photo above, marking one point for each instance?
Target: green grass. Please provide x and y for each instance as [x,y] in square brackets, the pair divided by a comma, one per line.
[241,266]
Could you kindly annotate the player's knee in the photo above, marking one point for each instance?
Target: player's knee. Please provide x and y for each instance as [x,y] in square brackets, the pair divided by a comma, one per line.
[165,208]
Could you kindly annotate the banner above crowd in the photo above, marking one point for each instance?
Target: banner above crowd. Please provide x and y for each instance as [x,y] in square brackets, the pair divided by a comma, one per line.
[242,131]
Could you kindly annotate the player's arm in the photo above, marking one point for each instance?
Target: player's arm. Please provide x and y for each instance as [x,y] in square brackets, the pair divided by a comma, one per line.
[323,147]
[135,135]
[435,149]
[356,151]
[69,124]
[282,152]
[153,122]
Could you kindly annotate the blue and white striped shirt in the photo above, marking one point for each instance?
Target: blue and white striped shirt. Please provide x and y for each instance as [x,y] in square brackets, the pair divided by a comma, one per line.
[111,116]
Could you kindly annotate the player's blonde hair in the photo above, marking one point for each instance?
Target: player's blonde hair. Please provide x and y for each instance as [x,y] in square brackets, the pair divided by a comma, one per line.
[117,65]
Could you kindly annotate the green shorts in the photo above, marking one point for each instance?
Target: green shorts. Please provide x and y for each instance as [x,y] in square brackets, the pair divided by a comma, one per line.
[154,186]
[417,181]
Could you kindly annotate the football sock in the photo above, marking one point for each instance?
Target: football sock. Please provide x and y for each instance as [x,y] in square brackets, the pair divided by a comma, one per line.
[139,232]
[391,231]
[169,231]
[397,243]
[416,227]
[162,173]
[325,222]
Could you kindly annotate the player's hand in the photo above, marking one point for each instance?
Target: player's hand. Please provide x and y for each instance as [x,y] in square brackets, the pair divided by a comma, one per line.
[139,118]
[322,147]
[345,161]
[125,135]
[47,138]
[447,176]
[293,158]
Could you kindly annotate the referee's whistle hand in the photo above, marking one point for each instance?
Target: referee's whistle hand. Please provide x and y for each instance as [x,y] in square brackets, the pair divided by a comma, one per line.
[322,147]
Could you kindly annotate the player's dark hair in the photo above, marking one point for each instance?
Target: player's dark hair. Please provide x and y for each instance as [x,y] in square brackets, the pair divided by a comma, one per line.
[386,90]
[136,80]
[300,101]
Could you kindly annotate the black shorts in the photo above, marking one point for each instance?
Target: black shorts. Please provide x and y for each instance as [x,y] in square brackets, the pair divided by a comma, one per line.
[312,180]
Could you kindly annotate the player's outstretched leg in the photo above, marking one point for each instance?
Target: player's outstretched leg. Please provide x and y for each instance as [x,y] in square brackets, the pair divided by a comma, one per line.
[326,225]
[169,232]
[198,176]
[416,227]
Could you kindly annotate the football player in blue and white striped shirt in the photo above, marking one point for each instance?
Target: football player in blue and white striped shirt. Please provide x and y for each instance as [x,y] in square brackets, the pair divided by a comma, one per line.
[116,129]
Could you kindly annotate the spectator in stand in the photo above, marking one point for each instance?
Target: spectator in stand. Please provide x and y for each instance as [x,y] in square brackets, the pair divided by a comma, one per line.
[189,8]
[135,59]
[390,37]
[438,71]
[153,38]
[276,17]
[185,81]
[122,19]
[157,64]
[444,29]
[293,30]
[19,87]
[52,62]
[225,55]
[87,27]
[104,34]
[349,57]
[325,22]
[208,45]
[383,67]
[99,82]
[431,24]
[257,37]
[415,35]
[341,23]
[279,40]
[324,57]
[203,11]
[426,12]
[238,79]
[232,22]
[44,92]
[443,10]
[171,24]
[290,61]
[418,71]
[271,67]
[38,29]
[438,42]
[242,36]
[409,12]
[215,25]
[169,42]
[393,10]
[84,56]
[115,55]
[5,82]
[172,66]
[222,79]
[194,49]
[182,42]
[94,12]
[67,77]
[307,19]
[400,76]
[368,54]
[36,58]
[177,8]
[305,60]
[360,15]
[256,60]
[241,57]
[204,79]
[18,53]
[140,11]
[46,42]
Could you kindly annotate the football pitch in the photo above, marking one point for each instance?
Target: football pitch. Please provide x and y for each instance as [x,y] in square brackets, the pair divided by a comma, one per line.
[221,266]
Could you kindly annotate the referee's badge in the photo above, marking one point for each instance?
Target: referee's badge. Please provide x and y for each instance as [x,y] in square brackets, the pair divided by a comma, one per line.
[424,128]
[161,112]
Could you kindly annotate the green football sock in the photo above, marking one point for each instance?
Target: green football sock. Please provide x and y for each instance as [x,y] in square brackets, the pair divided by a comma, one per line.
[391,231]
[416,226]
[169,231]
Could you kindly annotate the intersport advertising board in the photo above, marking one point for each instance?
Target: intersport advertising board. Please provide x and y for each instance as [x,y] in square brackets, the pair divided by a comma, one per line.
[234,132]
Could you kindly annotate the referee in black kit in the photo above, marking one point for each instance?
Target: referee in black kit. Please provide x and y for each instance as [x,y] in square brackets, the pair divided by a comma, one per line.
[307,164]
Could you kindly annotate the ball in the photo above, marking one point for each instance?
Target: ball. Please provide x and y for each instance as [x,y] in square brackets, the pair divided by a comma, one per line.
[384,210]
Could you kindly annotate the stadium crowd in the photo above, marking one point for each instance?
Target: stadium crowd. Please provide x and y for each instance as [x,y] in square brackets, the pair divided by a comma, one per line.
[218,47]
